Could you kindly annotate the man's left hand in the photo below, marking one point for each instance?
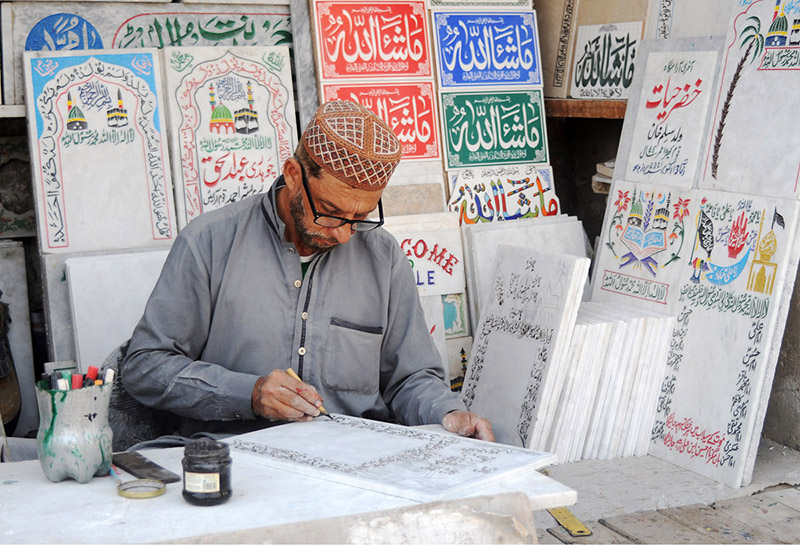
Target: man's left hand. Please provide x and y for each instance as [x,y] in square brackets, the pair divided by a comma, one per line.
[466,423]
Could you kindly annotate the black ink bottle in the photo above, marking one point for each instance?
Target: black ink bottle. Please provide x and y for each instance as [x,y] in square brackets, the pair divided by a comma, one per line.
[206,472]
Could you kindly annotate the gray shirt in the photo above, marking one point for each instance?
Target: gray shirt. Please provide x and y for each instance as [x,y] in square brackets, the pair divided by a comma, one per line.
[232,304]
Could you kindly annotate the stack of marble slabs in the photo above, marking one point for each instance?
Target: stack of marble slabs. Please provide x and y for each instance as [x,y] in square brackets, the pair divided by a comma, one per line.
[518,362]
[615,367]
[560,234]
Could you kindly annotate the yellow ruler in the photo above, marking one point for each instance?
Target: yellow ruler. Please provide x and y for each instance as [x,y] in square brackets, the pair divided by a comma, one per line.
[568,521]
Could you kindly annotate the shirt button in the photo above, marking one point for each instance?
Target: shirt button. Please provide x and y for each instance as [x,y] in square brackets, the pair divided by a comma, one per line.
[298,284]
[304,315]
[301,351]
[291,250]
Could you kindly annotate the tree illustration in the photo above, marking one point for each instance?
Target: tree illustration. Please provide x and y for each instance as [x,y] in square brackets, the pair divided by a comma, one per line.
[751,38]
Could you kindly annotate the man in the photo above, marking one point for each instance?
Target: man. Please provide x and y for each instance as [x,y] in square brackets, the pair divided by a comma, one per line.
[298,277]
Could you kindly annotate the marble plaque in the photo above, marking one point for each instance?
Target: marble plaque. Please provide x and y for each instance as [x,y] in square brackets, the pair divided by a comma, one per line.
[364,40]
[508,192]
[432,243]
[233,123]
[493,127]
[434,319]
[54,26]
[517,364]
[409,108]
[411,463]
[100,167]
[14,302]
[99,157]
[604,60]
[668,109]
[487,49]
[688,18]
[457,359]
[102,287]
[760,73]
[17,218]
[480,4]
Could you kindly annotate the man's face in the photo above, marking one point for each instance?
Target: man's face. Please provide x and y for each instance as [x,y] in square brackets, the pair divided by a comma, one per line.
[333,197]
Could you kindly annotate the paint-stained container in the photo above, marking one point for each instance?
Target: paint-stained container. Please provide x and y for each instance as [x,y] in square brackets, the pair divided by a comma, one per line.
[74,438]
[206,472]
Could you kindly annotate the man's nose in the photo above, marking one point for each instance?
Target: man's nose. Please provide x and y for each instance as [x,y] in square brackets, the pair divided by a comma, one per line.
[342,233]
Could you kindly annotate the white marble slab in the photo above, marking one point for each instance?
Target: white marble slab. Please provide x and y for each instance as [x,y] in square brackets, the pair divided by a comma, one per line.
[432,243]
[434,319]
[98,149]
[688,18]
[604,60]
[757,83]
[17,218]
[392,459]
[494,194]
[515,369]
[14,288]
[556,234]
[53,26]
[233,122]
[668,109]
[107,298]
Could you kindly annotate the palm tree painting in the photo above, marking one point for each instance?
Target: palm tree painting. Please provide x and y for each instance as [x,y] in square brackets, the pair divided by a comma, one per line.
[753,40]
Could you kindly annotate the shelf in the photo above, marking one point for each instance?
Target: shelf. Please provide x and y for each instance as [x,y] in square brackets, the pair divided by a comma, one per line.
[578,108]
[12,111]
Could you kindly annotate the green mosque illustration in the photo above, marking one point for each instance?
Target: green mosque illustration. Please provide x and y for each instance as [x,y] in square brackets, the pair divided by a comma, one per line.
[76,121]
[117,117]
[244,121]
[778,33]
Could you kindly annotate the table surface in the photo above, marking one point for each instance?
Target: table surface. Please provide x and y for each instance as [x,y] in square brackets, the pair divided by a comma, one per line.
[35,510]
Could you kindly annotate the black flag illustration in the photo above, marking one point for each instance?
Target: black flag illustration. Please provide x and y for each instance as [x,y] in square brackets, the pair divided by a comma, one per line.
[777,219]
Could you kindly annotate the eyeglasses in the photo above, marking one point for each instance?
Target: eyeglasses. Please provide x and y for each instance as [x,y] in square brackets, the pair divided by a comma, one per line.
[330,221]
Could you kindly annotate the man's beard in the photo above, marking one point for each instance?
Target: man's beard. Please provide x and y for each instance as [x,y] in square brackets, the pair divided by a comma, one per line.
[307,237]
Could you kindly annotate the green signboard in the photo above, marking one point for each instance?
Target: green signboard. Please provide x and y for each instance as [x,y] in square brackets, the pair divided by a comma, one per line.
[494,128]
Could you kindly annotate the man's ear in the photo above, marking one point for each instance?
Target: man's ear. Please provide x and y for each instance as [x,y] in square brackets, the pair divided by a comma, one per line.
[292,174]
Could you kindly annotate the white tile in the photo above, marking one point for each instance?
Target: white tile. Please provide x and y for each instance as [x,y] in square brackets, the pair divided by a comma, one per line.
[594,74]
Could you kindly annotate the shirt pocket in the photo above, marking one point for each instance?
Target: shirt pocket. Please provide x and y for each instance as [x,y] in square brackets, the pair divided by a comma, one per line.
[352,357]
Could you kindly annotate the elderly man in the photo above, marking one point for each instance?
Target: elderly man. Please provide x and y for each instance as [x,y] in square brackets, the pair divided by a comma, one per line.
[298,277]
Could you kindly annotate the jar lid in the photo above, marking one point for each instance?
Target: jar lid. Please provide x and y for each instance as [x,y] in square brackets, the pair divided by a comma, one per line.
[206,448]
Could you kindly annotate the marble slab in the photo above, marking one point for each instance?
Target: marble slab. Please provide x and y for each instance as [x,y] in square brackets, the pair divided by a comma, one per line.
[517,366]
[232,120]
[14,301]
[99,155]
[508,192]
[485,48]
[688,18]
[555,234]
[434,319]
[388,39]
[760,73]
[668,109]
[53,26]
[107,296]
[410,463]
[480,4]
[493,127]
[17,217]
[605,57]
[432,243]
[458,350]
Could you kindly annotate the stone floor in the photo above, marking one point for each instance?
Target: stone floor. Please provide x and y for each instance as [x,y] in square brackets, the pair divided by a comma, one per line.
[649,501]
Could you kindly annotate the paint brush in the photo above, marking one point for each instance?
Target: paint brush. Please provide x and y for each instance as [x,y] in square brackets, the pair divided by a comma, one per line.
[322,410]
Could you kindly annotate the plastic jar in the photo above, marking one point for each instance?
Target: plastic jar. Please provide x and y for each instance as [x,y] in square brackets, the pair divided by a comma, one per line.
[206,472]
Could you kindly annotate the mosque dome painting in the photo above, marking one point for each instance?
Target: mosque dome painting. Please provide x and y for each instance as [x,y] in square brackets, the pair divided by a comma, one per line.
[76,120]
[221,117]
[778,33]
[243,120]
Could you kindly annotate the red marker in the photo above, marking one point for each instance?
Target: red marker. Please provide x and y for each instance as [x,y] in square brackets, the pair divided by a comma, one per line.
[77,380]
[92,372]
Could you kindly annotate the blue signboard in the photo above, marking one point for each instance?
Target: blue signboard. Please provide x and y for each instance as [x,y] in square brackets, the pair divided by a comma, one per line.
[485,49]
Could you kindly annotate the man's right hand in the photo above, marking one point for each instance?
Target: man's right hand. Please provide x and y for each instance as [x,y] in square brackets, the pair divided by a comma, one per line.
[279,396]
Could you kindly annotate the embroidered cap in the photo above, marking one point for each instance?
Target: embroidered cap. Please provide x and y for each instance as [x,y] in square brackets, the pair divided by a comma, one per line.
[352,144]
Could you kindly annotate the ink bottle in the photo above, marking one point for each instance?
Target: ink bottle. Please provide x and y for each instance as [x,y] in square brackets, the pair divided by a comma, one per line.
[206,472]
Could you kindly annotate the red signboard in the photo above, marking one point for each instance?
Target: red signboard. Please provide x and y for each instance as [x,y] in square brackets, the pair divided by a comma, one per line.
[375,39]
[408,108]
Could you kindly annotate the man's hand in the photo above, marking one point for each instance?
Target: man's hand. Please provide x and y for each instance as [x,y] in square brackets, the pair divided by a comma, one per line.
[279,396]
[466,423]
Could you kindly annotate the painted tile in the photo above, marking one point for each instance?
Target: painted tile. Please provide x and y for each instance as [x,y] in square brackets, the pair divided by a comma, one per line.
[410,109]
[688,18]
[456,319]
[480,4]
[496,194]
[233,123]
[55,26]
[17,218]
[497,127]
[604,60]
[758,83]
[385,39]
[99,113]
[487,48]
[458,350]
